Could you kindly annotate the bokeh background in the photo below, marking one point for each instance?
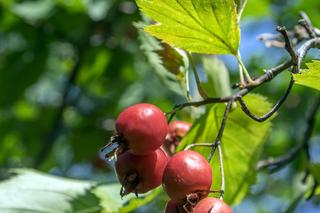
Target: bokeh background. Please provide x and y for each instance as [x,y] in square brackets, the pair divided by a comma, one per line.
[68,67]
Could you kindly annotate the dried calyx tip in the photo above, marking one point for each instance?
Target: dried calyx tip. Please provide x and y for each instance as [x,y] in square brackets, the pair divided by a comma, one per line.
[130,184]
[114,147]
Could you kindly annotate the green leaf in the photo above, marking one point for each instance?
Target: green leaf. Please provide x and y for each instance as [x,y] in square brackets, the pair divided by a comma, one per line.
[200,26]
[32,191]
[167,62]
[309,77]
[242,141]
[217,83]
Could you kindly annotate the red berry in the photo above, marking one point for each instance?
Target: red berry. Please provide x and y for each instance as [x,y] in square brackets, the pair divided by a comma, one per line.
[176,131]
[212,205]
[142,127]
[140,173]
[187,177]
[171,207]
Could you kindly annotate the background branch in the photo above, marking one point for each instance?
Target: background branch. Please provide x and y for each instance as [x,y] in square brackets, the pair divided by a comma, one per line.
[58,120]
[307,24]
[273,164]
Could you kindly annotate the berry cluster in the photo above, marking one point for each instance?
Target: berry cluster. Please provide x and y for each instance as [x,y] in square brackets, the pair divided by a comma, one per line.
[142,146]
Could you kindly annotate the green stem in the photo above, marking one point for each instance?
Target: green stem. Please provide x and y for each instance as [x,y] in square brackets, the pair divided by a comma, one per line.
[243,71]
[193,67]
[186,77]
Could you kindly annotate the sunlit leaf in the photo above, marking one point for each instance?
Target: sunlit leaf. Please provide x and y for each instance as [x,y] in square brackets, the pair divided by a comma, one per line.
[201,26]
[242,141]
[309,77]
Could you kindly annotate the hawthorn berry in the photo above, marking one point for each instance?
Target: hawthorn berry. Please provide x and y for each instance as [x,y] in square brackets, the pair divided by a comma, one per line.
[212,205]
[140,173]
[140,129]
[176,131]
[187,177]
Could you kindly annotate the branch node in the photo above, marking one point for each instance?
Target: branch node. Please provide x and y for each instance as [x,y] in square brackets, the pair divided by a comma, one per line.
[269,74]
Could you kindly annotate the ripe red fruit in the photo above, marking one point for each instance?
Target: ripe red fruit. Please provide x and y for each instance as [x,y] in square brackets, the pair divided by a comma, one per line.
[187,177]
[176,131]
[140,173]
[171,207]
[140,129]
[212,205]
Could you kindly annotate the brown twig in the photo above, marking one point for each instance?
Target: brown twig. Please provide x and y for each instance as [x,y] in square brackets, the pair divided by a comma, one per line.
[217,141]
[288,46]
[307,24]
[274,109]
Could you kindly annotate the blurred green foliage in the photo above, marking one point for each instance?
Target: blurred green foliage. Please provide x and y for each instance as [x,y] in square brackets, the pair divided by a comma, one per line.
[68,67]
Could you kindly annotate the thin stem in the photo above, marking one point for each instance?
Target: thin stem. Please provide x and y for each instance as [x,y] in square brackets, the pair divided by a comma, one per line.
[289,48]
[198,82]
[306,23]
[303,50]
[242,80]
[190,146]
[221,130]
[187,84]
[274,109]
[243,71]
[221,171]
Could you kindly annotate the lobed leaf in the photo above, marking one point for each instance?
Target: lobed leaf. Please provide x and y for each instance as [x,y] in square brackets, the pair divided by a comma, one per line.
[200,26]
[166,61]
[309,77]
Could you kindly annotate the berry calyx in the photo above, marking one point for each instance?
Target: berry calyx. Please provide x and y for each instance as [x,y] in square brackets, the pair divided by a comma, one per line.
[212,205]
[187,177]
[140,129]
[172,207]
[176,131]
[140,173]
